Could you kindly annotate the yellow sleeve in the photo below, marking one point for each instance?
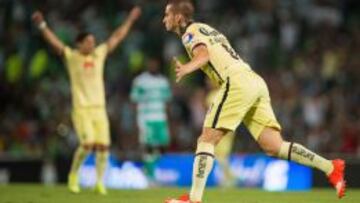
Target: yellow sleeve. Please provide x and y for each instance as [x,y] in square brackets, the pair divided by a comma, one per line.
[67,53]
[102,50]
[194,37]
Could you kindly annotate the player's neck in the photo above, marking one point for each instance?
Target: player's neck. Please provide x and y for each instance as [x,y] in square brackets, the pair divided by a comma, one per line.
[183,27]
[84,53]
[153,73]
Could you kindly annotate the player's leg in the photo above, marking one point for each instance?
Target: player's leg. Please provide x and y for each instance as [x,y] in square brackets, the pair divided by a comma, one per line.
[151,155]
[204,160]
[102,140]
[271,142]
[156,137]
[102,156]
[147,142]
[228,109]
[203,164]
[222,153]
[225,114]
[84,132]
[262,124]
[80,155]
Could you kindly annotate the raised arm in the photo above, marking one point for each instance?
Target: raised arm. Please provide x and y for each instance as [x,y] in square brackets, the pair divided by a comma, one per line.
[48,35]
[121,32]
[201,58]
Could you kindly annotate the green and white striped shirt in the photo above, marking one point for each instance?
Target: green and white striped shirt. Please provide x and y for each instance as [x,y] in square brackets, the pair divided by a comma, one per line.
[150,93]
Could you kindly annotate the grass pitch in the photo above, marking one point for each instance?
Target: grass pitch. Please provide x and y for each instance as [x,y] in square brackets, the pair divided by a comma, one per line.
[22,193]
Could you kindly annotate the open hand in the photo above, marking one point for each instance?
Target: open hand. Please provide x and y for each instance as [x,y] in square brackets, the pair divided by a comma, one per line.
[37,17]
[180,69]
[135,13]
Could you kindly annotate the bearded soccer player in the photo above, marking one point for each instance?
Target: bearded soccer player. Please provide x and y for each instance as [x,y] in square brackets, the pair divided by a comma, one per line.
[243,97]
[85,65]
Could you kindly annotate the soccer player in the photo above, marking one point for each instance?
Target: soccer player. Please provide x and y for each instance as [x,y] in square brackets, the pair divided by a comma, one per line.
[243,97]
[151,92]
[85,65]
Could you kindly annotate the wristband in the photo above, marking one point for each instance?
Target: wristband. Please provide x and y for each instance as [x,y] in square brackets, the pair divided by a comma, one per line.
[42,25]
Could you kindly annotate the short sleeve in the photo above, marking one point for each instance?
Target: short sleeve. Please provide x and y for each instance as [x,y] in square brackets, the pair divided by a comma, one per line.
[167,91]
[194,37]
[68,52]
[102,50]
[136,91]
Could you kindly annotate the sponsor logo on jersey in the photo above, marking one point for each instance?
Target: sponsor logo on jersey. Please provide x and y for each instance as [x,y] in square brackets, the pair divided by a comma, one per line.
[207,32]
[88,64]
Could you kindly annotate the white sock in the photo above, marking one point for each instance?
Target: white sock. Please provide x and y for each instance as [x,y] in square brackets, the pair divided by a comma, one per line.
[298,153]
[203,164]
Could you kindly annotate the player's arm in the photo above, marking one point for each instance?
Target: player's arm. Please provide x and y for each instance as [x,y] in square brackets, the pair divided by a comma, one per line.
[47,33]
[201,58]
[134,99]
[121,32]
[167,99]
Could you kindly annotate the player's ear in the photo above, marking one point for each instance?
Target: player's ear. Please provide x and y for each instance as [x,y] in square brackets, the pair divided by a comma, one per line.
[178,18]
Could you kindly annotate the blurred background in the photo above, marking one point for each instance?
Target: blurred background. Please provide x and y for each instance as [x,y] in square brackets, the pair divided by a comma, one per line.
[308,51]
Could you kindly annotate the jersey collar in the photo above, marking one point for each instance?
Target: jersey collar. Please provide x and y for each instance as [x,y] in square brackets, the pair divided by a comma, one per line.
[183,30]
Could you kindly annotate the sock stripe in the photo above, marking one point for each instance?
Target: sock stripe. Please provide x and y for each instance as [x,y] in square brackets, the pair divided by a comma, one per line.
[206,154]
[289,153]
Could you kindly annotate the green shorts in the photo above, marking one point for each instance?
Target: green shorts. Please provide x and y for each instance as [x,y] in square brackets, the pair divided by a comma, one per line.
[154,133]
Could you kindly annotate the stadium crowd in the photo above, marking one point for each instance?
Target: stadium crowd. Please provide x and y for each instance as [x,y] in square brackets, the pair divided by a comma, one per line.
[308,51]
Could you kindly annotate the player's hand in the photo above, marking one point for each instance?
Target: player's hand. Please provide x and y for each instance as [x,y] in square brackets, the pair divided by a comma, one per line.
[135,13]
[180,69]
[37,17]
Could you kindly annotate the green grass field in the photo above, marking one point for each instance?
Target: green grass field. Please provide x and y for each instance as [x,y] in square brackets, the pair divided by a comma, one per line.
[59,194]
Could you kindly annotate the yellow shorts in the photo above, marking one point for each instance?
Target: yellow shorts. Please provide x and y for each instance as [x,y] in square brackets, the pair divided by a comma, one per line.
[244,97]
[91,125]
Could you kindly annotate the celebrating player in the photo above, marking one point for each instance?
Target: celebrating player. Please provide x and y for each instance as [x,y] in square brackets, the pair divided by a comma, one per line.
[85,65]
[243,97]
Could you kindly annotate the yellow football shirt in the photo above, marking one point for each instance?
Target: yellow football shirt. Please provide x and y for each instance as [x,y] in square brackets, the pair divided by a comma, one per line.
[224,61]
[87,76]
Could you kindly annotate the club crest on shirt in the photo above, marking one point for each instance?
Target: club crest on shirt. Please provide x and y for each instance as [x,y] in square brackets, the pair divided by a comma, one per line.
[88,64]
[187,38]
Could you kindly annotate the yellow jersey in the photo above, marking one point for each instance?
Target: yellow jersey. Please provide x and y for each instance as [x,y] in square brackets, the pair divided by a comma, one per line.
[86,76]
[224,61]
[211,95]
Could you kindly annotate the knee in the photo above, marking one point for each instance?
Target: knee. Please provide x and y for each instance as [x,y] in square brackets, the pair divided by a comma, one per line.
[88,147]
[272,150]
[208,138]
[101,147]
[270,141]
